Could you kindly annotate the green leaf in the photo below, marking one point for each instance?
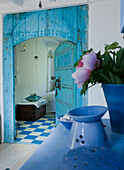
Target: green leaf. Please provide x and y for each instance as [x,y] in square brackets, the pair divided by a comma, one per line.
[118,80]
[122,63]
[84,88]
[112,77]
[114,54]
[120,57]
[88,51]
[99,56]
[115,69]
[84,52]
[112,46]
[77,63]
[105,78]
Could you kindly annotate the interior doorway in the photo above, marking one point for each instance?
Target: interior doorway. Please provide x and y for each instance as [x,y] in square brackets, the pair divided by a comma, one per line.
[35,77]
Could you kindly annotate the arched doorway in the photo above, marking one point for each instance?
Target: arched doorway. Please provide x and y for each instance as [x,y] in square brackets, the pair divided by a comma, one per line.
[69,23]
[34,66]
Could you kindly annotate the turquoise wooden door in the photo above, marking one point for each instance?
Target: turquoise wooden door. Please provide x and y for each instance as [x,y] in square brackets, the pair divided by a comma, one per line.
[65,56]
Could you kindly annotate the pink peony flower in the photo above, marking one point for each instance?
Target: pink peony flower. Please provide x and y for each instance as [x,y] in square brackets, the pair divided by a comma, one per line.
[81,75]
[80,64]
[90,60]
[84,69]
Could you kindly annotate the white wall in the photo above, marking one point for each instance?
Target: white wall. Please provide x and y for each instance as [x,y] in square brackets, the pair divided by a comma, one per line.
[104,27]
[33,75]
[51,72]
[30,72]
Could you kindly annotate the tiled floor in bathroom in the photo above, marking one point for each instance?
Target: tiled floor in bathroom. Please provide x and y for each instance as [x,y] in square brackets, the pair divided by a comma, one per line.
[35,132]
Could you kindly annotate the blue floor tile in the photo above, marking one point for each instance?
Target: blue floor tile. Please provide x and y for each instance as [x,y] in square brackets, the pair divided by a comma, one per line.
[28,122]
[39,130]
[25,133]
[36,129]
[50,127]
[45,134]
[51,119]
[18,124]
[41,121]
[46,124]
[37,142]
[31,137]
[34,126]
[21,128]
[18,139]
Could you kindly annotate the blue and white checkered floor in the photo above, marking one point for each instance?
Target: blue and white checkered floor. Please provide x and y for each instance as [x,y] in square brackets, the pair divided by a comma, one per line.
[34,132]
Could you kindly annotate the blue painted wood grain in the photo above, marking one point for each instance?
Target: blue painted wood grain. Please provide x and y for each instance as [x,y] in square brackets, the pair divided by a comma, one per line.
[82,38]
[65,55]
[42,20]
[9,110]
[70,23]
[8,24]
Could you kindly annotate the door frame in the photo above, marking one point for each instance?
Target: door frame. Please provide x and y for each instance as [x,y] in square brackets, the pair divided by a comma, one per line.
[70,23]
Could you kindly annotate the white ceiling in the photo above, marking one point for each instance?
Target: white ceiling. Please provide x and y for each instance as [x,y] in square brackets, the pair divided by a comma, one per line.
[3,1]
[17,2]
[17,6]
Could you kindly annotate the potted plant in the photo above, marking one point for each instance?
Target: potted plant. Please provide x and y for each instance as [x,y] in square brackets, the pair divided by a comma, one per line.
[108,69]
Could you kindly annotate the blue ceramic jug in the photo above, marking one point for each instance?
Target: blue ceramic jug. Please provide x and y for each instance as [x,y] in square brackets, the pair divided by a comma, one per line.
[87,128]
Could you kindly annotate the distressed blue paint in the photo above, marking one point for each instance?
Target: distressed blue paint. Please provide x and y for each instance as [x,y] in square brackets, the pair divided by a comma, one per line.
[8,24]
[32,24]
[42,27]
[9,112]
[57,23]
[65,55]
[69,23]
[82,38]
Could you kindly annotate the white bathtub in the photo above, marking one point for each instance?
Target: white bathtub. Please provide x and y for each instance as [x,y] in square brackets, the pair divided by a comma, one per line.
[50,97]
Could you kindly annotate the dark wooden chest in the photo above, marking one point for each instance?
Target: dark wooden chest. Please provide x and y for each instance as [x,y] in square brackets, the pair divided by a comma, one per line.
[29,112]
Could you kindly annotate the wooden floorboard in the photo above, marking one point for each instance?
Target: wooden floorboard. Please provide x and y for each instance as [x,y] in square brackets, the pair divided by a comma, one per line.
[14,155]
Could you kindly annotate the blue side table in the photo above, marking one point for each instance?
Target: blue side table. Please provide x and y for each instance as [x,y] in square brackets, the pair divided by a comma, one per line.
[116,140]
[50,153]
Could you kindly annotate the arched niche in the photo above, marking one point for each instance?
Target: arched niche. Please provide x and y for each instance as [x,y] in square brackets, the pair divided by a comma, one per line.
[70,23]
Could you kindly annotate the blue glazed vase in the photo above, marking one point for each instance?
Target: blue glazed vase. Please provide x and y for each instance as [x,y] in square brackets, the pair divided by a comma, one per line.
[87,128]
[114,94]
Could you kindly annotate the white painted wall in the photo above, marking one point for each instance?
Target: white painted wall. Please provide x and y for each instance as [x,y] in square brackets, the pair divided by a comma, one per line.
[1,78]
[104,27]
[50,71]
[31,74]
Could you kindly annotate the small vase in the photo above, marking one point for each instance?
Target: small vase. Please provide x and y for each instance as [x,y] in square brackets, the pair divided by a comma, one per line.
[87,128]
[114,94]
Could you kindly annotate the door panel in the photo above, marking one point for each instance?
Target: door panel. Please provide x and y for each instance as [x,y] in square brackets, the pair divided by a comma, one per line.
[65,56]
